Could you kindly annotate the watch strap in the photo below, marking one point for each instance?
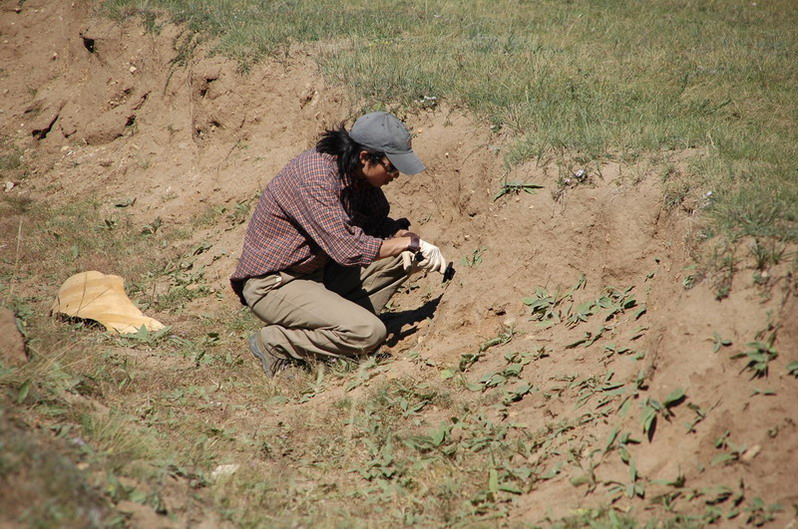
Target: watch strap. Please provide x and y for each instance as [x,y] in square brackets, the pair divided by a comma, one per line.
[415,243]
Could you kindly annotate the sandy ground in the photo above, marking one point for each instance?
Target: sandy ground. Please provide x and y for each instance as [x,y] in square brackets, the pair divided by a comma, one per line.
[102,111]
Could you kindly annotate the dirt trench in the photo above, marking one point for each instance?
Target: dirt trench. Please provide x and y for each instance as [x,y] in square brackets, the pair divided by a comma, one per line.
[103,110]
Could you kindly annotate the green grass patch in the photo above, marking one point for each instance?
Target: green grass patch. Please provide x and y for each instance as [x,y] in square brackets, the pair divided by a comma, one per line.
[585,80]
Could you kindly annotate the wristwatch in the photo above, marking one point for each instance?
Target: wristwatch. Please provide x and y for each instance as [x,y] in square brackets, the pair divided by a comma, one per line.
[415,243]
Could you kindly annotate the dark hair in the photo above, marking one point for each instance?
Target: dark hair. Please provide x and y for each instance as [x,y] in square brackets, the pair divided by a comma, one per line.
[337,142]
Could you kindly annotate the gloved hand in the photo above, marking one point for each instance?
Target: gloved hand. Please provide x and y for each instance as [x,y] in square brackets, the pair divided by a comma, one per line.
[433,260]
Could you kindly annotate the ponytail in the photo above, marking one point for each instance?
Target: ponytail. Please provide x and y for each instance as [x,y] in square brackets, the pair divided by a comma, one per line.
[337,142]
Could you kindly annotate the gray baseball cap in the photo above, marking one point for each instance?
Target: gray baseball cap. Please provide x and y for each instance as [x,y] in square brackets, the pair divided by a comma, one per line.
[384,132]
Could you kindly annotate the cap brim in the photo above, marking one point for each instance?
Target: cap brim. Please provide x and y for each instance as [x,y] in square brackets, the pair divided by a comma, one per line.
[407,163]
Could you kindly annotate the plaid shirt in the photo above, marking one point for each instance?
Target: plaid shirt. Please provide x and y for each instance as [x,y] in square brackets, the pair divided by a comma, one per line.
[309,214]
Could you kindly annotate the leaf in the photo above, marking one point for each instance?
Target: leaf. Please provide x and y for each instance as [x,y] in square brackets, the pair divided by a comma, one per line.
[675,397]
[538,303]
[719,342]
[513,370]
[722,458]
[467,360]
[676,483]
[137,496]
[578,481]
[493,481]
[624,407]
[628,303]
[596,336]
[649,420]
[517,393]
[766,392]
[639,312]
[613,435]
[487,377]
[512,489]
[440,435]
[632,470]
[630,490]
[580,341]
[447,373]
[23,391]
[355,382]
[604,302]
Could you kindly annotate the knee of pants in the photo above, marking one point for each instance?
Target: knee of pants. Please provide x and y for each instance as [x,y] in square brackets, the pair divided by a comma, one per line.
[367,335]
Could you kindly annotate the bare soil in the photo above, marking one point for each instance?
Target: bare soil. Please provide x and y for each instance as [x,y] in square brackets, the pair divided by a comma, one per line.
[101,110]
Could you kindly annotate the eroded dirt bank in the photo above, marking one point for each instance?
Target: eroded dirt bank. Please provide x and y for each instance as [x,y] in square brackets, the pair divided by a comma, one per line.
[104,111]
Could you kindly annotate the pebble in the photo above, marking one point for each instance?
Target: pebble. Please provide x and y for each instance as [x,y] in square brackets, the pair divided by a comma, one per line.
[751,453]
[225,470]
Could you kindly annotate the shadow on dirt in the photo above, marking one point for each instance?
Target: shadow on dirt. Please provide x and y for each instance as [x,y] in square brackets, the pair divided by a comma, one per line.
[397,321]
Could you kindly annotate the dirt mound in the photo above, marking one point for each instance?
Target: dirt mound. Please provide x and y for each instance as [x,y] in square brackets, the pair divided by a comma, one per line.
[589,278]
[12,343]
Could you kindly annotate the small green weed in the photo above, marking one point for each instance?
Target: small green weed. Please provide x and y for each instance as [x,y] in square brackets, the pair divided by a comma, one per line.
[757,513]
[469,359]
[475,259]
[652,408]
[734,451]
[545,306]
[719,342]
[767,252]
[153,227]
[759,355]
[700,415]
[514,188]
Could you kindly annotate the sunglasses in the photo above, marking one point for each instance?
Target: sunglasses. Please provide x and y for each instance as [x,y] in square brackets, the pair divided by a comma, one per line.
[388,166]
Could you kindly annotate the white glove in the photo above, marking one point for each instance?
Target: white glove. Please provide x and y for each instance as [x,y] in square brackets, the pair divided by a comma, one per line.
[433,260]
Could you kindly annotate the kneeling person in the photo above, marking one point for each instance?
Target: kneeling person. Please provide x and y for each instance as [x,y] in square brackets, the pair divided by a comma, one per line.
[321,256]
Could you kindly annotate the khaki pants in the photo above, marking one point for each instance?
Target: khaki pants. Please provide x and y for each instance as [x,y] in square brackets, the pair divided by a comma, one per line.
[329,313]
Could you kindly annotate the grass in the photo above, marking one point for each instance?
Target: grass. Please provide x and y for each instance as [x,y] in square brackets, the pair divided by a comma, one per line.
[94,419]
[583,81]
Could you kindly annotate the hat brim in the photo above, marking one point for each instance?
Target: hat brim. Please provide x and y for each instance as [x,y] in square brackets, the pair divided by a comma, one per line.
[407,163]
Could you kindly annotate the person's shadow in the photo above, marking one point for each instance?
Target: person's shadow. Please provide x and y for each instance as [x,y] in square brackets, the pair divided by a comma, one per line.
[395,322]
